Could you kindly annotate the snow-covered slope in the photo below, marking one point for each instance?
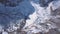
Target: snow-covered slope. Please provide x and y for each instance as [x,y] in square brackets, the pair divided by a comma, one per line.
[40,22]
[29,14]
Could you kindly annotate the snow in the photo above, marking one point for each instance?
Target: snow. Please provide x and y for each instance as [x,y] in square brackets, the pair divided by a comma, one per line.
[4,33]
[31,20]
[42,14]
[29,9]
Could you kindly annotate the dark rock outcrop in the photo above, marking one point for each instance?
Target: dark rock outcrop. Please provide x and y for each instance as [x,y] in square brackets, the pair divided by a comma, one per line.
[44,3]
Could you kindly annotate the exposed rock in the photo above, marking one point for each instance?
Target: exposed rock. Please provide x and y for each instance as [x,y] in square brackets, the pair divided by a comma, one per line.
[45,3]
[52,31]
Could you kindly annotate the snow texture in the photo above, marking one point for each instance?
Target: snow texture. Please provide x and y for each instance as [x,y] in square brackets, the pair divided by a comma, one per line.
[29,14]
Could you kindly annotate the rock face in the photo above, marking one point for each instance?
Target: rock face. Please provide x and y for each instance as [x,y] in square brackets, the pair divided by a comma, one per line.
[56,17]
[44,3]
[52,31]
